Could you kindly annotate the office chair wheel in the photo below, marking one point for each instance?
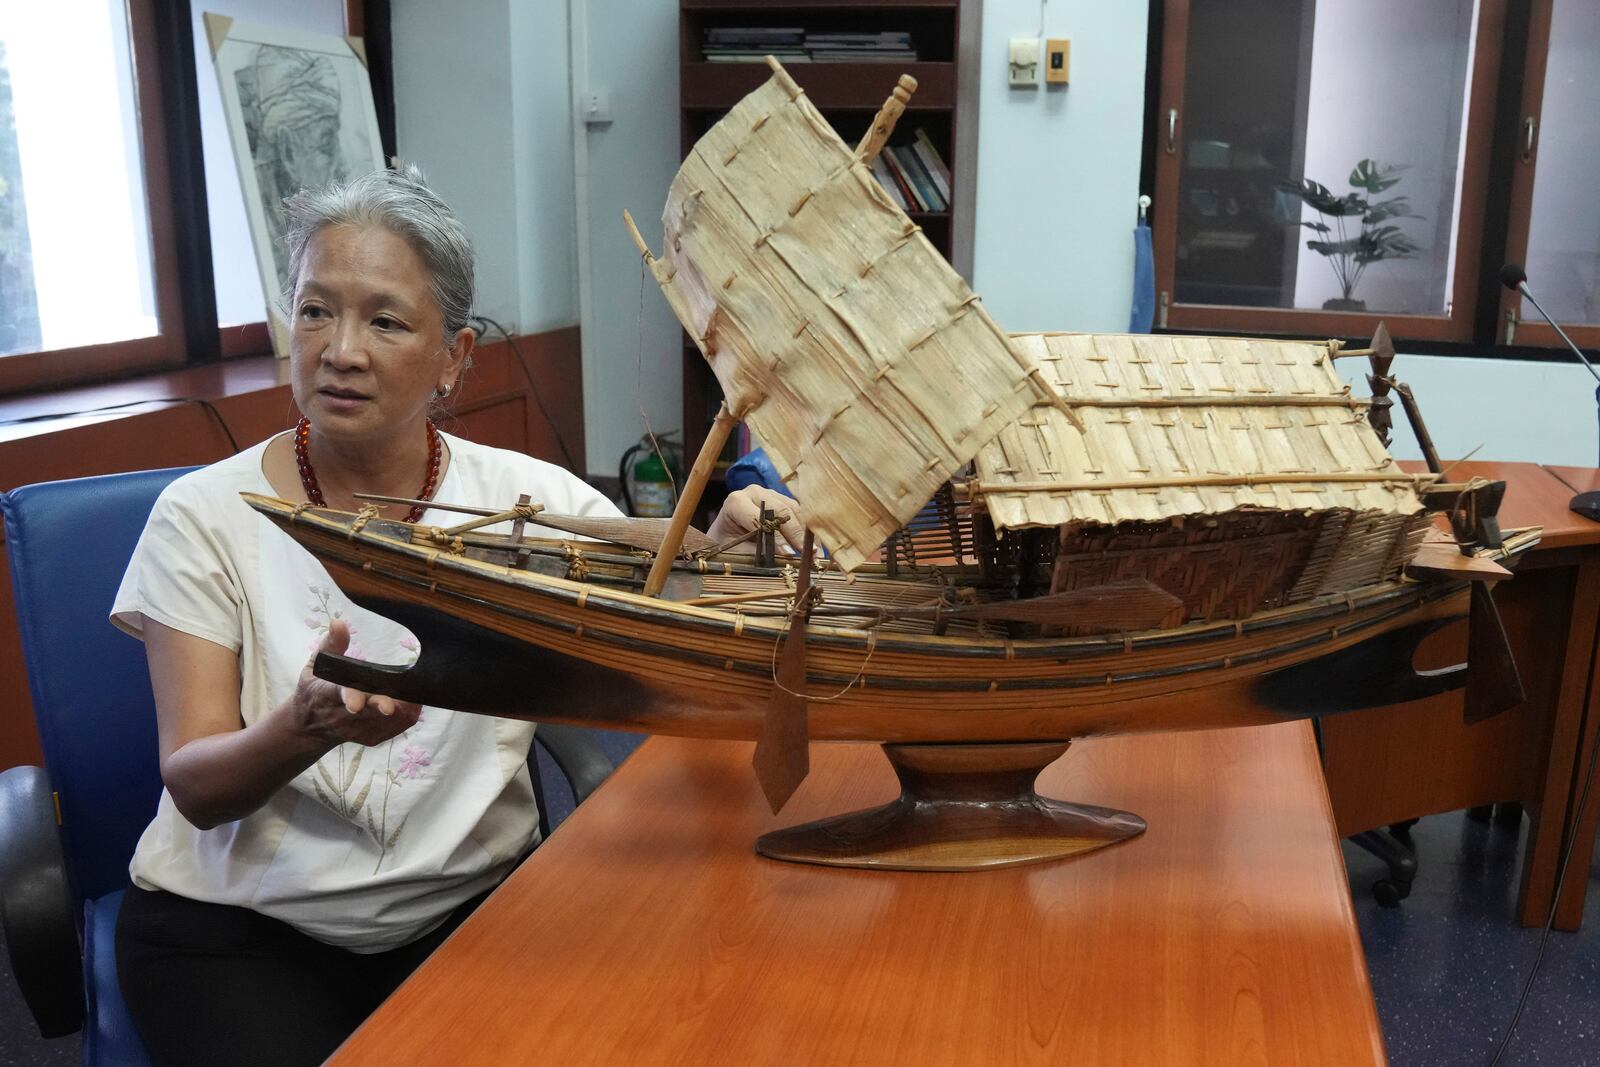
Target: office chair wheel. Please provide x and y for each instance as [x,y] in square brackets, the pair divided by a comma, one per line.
[1390,893]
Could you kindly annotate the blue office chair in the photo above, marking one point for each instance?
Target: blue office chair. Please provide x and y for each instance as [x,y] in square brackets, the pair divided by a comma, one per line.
[68,829]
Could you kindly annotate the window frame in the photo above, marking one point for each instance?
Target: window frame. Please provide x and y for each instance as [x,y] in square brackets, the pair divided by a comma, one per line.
[1513,320]
[1486,220]
[162,41]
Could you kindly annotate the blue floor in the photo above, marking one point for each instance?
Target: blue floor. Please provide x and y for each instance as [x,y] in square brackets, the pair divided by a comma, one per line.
[1446,966]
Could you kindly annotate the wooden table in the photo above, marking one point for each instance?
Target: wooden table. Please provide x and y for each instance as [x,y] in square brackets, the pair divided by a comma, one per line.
[646,930]
[1389,765]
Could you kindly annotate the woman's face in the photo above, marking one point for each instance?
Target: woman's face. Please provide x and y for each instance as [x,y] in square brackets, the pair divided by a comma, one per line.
[366,349]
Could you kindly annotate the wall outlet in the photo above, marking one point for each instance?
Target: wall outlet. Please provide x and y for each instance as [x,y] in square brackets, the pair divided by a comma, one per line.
[1057,60]
[1024,62]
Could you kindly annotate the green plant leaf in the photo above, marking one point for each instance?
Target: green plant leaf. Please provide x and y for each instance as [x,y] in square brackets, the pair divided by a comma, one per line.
[1320,227]
[1320,197]
[1375,177]
[1336,248]
[1397,207]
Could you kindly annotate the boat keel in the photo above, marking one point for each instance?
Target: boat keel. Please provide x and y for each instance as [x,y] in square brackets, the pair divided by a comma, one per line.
[962,807]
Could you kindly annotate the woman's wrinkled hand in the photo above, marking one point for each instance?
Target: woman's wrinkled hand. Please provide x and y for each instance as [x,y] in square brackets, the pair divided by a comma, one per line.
[741,514]
[337,714]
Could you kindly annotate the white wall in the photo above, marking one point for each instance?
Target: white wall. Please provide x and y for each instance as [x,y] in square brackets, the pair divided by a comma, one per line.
[1505,409]
[633,347]
[481,106]
[1058,169]
[546,233]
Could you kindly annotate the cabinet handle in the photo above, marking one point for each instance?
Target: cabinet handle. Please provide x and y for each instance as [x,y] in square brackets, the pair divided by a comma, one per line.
[1172,130]
[1530,129]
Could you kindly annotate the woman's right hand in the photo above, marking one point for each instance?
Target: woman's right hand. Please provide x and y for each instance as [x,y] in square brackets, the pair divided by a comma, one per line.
[335,714]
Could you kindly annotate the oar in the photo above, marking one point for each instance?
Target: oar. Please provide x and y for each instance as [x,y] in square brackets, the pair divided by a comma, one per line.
[782,758]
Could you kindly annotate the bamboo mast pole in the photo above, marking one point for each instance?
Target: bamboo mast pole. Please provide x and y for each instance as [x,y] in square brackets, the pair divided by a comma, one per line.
[877,134]
[693,487]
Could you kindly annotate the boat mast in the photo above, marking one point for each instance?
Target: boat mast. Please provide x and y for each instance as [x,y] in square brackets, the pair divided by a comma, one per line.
[694,487]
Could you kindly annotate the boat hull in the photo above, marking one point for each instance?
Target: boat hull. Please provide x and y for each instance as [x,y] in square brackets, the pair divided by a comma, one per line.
[530,646]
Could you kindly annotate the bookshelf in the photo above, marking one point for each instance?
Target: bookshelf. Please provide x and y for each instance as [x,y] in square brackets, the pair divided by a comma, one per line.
[849,93]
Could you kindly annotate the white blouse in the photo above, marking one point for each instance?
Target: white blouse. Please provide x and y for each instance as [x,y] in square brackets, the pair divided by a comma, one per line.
[370,848]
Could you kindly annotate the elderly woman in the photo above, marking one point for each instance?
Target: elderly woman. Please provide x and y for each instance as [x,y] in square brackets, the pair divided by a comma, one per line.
[313,843]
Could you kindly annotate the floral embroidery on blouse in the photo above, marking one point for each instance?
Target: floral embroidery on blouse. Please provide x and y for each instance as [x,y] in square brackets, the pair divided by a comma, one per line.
[340,769]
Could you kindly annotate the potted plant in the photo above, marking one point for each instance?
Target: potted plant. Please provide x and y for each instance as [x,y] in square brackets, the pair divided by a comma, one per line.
[1355,230]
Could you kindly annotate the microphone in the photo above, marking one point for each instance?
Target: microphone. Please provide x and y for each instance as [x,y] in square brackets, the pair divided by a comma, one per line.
[1513,277]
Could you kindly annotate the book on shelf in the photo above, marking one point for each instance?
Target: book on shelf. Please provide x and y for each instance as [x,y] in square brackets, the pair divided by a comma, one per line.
[860,47]
[926,191]
[752,44]
[913,198]
[792,44]
[756,57]
[755,35]
[933,162]
[880,170]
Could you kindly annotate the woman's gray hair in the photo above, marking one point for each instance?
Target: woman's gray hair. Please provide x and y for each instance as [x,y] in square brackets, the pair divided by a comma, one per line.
[400,201]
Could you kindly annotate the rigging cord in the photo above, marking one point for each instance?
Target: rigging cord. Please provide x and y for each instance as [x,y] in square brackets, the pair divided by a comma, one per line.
[211,409]
[1550,920]
[533,389]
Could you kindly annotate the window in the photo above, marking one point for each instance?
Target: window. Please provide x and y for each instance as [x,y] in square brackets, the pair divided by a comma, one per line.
[1319,167]
[1555,214]
[112,248]
[85,272]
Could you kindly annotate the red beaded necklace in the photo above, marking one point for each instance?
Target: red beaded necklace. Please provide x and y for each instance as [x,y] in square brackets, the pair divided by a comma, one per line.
[308,476]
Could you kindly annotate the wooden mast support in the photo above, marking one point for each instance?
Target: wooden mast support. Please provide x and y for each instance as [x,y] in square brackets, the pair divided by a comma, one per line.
[877,134]
[695,485]
[689,500]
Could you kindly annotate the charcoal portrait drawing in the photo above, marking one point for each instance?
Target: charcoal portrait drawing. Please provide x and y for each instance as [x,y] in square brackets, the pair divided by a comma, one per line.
[300,114]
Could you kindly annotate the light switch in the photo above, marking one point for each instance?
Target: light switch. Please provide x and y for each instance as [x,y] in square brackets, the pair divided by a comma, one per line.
[596,108]
[1057,60]
[1025,62]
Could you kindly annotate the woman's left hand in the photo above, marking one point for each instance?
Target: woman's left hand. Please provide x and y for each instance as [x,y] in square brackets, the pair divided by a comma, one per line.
[741,513]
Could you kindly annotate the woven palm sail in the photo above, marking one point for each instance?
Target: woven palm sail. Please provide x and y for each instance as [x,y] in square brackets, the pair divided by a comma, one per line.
[1236,473]
[858,357]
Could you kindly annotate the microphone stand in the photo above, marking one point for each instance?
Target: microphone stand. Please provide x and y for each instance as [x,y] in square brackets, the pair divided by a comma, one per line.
[1585,504]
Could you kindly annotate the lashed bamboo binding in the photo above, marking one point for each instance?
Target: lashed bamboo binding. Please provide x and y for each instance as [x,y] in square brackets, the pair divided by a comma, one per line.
[1080,535]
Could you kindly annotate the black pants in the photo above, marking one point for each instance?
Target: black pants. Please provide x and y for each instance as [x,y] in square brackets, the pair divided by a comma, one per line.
[210,983]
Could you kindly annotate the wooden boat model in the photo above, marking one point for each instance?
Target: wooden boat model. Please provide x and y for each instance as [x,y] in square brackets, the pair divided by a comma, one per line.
[1032,538]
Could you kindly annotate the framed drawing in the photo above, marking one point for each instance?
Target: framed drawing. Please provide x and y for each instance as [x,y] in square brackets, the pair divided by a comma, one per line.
[300,114]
